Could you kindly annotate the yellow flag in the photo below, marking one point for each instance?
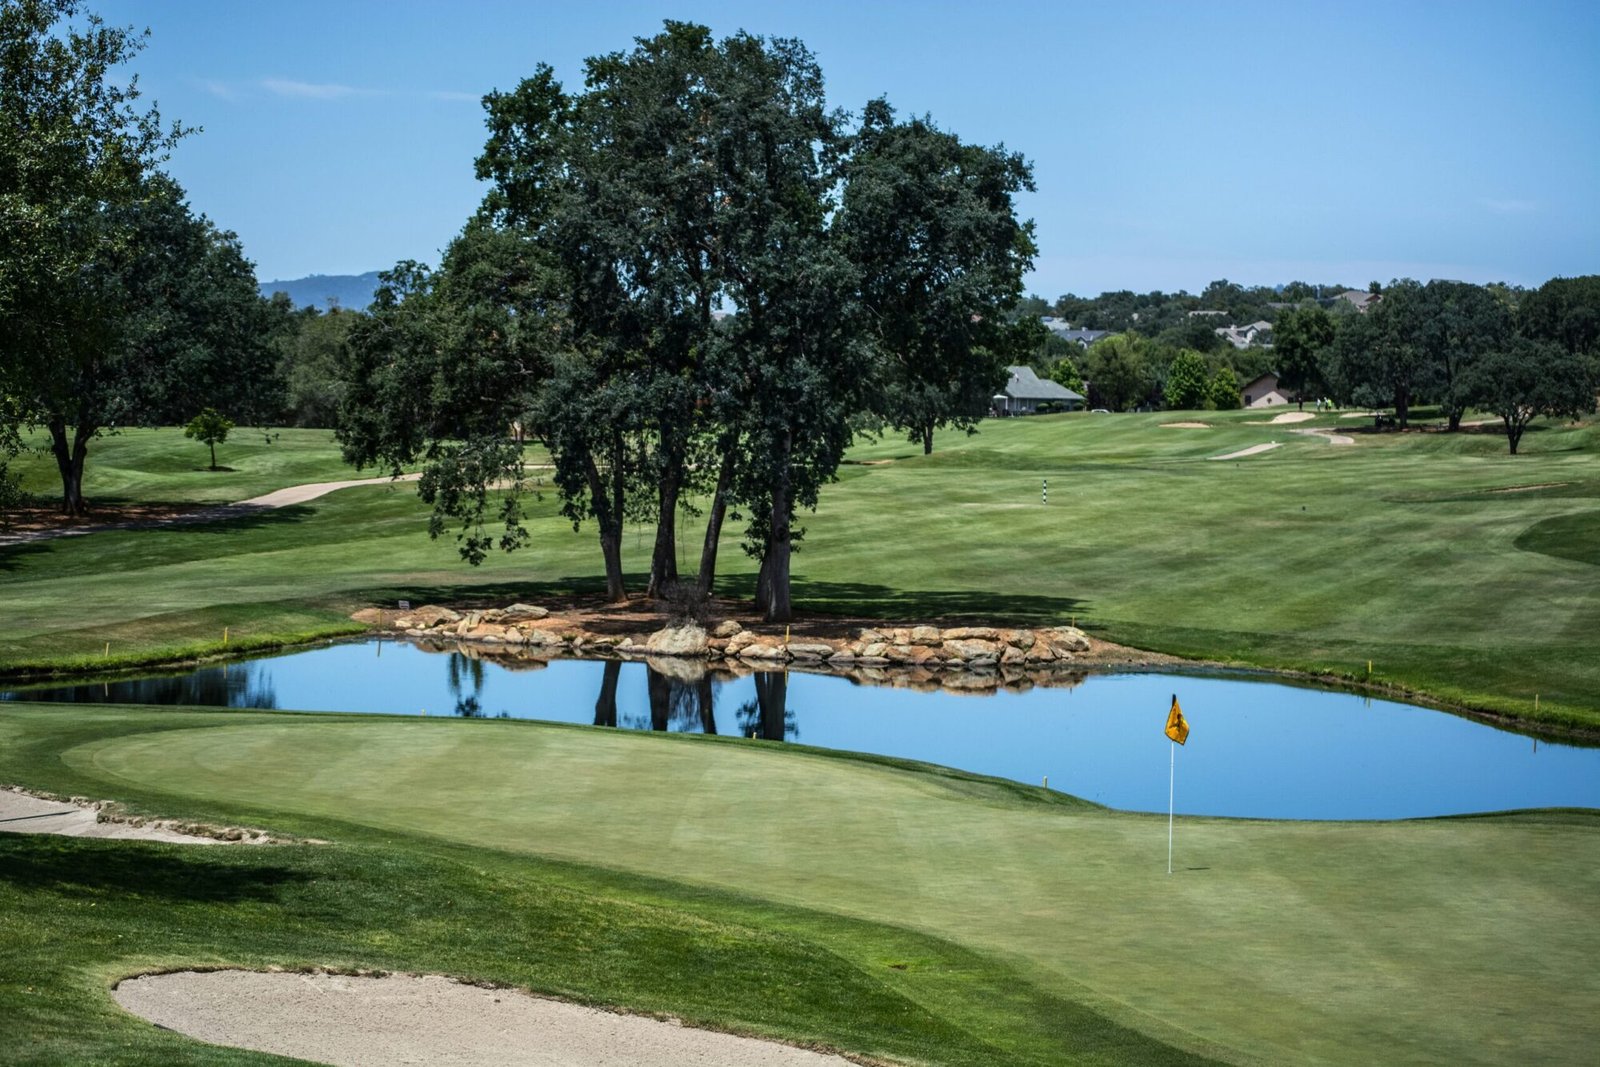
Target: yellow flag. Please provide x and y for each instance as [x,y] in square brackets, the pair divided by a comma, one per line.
[1177,725]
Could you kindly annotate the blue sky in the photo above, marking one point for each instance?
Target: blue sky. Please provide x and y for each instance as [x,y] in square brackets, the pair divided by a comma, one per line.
[1172,143]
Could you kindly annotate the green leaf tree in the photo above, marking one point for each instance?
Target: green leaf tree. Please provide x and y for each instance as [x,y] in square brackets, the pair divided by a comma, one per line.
[1299,338]
[1527,378]
[1222,391]
[1186,388]
[931,226]
[209,428]
[1118,371]
[76,153]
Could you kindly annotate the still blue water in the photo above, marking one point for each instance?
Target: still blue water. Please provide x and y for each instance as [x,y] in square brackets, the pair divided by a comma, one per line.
[1258,749]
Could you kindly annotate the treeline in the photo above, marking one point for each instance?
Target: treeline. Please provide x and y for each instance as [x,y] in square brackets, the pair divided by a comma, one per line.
[1515,352]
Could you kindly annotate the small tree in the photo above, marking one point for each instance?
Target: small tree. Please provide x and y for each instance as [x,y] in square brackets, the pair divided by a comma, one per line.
[1064,372]
[1222,392]
[1186,382]
[1529,378]
[210,428]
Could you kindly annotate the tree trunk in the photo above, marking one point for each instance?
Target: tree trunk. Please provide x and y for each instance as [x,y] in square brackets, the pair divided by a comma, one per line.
[664,560]
[776,562]
[1455,420]
[69,461]
[608,515]
[605,705]
[1513,433]
[719,510]
[213,445]
[1402,406]
[763,586]
[927,440]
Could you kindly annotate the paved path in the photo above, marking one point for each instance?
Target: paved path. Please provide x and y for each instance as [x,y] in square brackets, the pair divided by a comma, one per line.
[278,498]
[1332,438]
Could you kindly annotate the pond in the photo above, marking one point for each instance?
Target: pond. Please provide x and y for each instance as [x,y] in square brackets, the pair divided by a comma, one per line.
[1258,749]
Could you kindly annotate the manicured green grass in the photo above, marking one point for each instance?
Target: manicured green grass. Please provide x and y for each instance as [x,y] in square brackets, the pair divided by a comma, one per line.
[162,466]
[1031,928]
[1399,551]
[77,915]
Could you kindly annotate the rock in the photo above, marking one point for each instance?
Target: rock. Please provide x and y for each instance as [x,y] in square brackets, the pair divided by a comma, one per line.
[539,637]
[430,615]
[870,636]
[486,630]
[525,611]
[900,636]
[810,650]
[875,650]
[1040,653]
[625,644]
[406,623]
[872,661]
[686,640]
[972,633]
[1022,639]
[492,615]
[925,635]
[740,641]
[1013,654]
[764,651]
[1068,637]
[842,658]
[727,628]
[416,633]
[969,650]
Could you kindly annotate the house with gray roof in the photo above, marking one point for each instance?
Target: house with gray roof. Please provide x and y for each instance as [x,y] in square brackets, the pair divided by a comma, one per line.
[1025,392]
[1063,329]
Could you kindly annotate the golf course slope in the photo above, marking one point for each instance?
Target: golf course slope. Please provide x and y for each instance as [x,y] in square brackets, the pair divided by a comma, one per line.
[958,919]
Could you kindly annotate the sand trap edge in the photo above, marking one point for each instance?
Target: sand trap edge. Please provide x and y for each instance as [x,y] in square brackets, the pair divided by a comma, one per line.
[367,1019]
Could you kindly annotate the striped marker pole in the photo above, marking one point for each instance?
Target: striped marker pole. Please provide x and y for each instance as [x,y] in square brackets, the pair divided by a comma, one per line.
[1044,492]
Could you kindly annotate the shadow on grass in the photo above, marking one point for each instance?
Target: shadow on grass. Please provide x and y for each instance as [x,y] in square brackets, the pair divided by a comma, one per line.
[71,865]
[859,599]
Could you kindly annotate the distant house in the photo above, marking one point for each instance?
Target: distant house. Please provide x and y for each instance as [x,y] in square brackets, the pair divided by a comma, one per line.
[1264,392]
[1361,299]
[1204,312]
[1081,337]
[1025,392]
[1256,333]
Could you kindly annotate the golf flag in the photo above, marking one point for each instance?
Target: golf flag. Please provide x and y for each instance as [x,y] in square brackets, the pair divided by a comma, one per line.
[1177,725]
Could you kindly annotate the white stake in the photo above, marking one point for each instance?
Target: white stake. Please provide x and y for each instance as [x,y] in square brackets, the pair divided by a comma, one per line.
[1172,780]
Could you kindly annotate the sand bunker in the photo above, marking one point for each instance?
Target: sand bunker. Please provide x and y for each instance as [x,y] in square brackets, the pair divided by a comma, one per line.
[21,813]
[1293,416]
[1186,426]
[406,1019]
[1328,435]
[1359,414]
[1251,451]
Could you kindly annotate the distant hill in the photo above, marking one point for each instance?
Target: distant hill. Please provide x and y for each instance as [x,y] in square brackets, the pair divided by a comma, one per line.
[352,291]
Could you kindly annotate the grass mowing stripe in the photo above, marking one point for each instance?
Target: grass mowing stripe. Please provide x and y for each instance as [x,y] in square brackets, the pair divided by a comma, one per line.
[1292,941]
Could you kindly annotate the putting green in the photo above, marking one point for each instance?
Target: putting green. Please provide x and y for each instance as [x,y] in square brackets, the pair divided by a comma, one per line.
[1463,940]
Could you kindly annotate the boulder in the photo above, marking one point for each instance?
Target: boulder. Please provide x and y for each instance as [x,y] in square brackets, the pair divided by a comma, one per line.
[968,650]
[1022,639]
[925,635]
[875,650]
[810,650]
[727,628]
[1013,654]
[1067,637]
[525,611]
[686,640]
[871,637]
[431,615]
[1040,653]
[763,651]
[740,641]
[972,633]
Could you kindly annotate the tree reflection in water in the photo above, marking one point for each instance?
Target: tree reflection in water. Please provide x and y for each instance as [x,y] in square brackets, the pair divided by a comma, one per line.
[768,716]
[458,669]
[234,685]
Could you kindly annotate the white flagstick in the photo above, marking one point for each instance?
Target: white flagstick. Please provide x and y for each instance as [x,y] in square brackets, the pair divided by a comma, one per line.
[1172,779]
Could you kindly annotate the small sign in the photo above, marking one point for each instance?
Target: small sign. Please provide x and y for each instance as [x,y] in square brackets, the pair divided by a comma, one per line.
[405,605]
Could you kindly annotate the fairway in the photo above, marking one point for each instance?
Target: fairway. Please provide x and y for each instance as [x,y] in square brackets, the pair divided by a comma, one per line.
[1408,552]
[1393,942]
